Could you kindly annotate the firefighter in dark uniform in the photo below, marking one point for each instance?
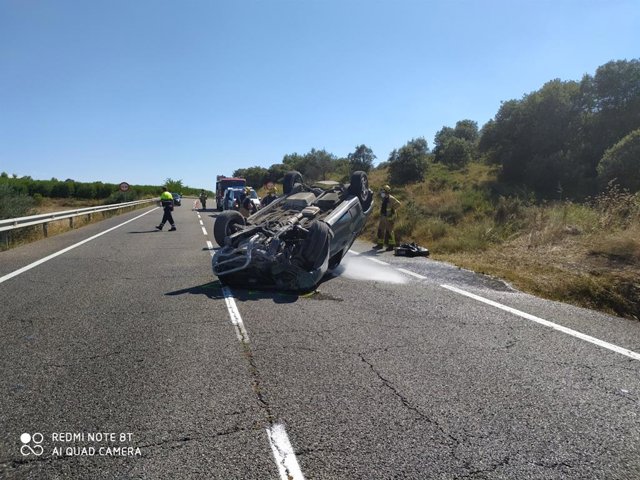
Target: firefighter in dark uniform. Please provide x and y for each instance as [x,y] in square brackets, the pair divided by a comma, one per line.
[203,199]
[247,206]
[386,235]
[271,195]
[166,199]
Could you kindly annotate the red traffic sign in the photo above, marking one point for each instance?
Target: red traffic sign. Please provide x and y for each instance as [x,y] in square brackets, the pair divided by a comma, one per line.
[124,186]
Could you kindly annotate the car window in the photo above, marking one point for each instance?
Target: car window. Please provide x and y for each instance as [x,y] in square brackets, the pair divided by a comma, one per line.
[344,219]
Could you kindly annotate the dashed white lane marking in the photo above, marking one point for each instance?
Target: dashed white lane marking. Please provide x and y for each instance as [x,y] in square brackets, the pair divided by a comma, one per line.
[546,323]
[236,319]
[65,250]
[201,223]
[413,274]
[204,230]
[377,261]
[283,453]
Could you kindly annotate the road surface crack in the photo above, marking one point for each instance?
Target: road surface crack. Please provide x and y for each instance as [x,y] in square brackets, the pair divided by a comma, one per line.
[453,441]
[257,383]
[474,472]
[184,439]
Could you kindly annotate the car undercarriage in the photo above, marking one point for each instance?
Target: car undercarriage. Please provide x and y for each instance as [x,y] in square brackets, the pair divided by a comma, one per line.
[293,242]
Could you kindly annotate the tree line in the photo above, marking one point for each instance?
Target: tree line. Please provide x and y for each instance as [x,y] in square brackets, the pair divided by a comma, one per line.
[568,139]
[313,165]
[69,188]
[572,137]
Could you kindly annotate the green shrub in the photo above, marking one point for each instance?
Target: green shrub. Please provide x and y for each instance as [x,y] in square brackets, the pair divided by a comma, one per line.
[13,204]
[38,199]
[621,163]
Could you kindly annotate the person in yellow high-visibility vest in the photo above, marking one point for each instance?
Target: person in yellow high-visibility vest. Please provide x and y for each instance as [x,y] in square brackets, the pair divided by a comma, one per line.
[166,199]
[386,235]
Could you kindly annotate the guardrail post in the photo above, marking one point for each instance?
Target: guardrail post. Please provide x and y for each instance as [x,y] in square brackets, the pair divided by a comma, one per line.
[5,239]
[71,222]
[45,229]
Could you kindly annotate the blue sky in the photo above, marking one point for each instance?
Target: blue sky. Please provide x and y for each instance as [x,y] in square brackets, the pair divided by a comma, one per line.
[142,90]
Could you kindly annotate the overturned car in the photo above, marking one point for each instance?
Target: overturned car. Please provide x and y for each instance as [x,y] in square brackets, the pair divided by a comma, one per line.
[296,239]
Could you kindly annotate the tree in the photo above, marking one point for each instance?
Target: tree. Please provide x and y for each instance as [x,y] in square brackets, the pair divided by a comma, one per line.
[621,163]
[294,161]
[277,171]
[457,146]
[609,106]
[173,185]
[456,152]
[318,164]
[255,176]
[409,164]
[467,130]
[361,159]
[62,189]
[314,165]
[539,128]
[442,136]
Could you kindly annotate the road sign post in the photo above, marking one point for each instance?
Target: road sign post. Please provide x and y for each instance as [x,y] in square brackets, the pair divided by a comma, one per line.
[124,188]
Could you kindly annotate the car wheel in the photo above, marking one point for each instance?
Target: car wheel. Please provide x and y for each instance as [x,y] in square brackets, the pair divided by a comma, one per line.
[359,186]
[224,225]
[316,246]
[290,180]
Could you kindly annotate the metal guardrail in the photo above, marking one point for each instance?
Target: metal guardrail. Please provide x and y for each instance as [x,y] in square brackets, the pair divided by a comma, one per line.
[44,218]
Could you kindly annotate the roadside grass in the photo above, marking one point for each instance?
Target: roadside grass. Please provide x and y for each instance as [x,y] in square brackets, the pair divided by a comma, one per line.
[587,254]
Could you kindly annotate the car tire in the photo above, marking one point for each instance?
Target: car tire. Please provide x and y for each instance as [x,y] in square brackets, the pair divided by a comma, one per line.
[290,180]
[223,226]
[316,246]
[359,187]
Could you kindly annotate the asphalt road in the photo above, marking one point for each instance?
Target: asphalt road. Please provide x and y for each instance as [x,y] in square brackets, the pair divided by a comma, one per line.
[123,357]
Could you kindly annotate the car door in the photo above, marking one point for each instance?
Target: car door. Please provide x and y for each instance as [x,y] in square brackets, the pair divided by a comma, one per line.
[341,233]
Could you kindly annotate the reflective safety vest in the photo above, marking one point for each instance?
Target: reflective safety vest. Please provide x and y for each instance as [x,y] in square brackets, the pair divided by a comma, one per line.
[166,196]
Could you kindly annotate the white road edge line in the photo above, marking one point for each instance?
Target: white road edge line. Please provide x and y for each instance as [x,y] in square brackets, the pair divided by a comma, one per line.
[234,314]
[370,258]
[413,274]
[283,453]
[546,323]
[377,261]
[65,250]
[204,230]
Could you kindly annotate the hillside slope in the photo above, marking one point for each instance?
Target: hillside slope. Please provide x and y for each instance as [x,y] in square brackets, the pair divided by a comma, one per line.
[587,254]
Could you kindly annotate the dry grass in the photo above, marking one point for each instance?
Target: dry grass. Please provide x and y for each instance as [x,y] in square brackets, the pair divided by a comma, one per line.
[586,254]
[47,205]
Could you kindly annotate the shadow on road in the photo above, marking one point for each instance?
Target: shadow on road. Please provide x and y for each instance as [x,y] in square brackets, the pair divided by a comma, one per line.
[214,291]
[145,231]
